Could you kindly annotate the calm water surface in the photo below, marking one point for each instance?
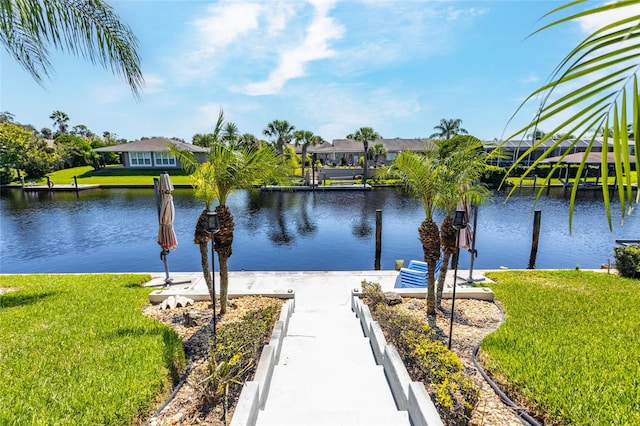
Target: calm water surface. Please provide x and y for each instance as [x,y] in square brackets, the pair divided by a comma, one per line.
[115,231]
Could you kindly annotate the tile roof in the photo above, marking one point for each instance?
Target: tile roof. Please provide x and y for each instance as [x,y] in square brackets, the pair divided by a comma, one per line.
[152,145]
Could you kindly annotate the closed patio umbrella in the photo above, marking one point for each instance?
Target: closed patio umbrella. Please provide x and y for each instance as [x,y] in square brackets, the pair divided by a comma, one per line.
[467,238]
[166,212]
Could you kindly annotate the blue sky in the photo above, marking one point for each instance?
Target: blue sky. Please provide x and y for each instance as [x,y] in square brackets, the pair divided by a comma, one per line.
[325,66]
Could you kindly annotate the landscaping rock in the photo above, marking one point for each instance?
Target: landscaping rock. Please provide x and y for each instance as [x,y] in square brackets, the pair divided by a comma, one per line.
[392,298]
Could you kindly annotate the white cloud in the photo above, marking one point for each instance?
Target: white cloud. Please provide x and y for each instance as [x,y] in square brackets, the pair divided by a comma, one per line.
[345,108]
[221,25]
[315,46]
[527,79]
[590,23]
[152,83]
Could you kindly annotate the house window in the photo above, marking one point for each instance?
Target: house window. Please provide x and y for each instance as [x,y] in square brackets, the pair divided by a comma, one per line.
[165,159]
[140,159]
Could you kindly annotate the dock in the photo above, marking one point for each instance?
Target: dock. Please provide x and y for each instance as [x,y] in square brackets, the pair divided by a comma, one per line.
[301,188]
[59,188]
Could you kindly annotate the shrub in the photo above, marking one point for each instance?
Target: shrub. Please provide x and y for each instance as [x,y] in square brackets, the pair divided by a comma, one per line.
[426,358]
[6,175]
[493,176]
[238,344]
[628,260]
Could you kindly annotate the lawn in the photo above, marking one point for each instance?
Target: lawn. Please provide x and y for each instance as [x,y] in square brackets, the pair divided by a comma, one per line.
[76,349]
[114,175]
[570,344]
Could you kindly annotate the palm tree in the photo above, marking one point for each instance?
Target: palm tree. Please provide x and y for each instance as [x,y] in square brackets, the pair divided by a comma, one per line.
[90,29]
[599,77]
[282,131]
[305,138]
[419,175]
[376,151]
[230,134]
[448,128]
[364,135]
[204,140]
[60,120]
[226,170]
[459,171]
[247,140]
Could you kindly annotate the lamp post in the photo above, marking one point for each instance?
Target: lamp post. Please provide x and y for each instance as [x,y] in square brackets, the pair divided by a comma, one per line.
[212,225]
[459,222]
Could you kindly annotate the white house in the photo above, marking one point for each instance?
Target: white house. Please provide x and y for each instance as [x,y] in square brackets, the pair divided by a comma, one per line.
[154,152]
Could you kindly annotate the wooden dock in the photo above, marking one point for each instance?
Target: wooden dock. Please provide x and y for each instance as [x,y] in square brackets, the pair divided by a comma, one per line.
[58,188]
[300,188]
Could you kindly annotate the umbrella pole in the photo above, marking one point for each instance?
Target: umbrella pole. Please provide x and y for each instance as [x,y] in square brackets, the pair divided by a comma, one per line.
[163,255]
[168,280]
[473,251]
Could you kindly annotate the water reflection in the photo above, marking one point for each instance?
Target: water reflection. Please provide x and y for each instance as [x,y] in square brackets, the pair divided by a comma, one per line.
[115,231]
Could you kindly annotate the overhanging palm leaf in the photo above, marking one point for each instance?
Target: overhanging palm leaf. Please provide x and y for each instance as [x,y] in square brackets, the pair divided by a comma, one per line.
[608,60]
[86,28]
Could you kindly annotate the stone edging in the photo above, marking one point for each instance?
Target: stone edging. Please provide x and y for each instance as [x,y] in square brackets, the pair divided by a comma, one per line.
[409,396]
[254,393]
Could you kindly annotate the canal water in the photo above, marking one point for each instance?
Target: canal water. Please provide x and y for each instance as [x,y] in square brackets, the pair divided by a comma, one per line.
[115,230]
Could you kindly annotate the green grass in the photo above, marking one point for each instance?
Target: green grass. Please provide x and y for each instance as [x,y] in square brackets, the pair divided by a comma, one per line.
[76,349]
[570,344]
[115,175]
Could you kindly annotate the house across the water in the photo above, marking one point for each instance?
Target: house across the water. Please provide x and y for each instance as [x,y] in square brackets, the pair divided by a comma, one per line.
[154,152]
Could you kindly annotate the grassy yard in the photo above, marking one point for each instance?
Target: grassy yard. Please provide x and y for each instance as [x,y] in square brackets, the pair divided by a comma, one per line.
[114,175]
[76,349]
[570,344]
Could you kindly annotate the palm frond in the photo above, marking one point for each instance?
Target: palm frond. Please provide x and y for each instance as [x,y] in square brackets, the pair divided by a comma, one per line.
[608,60]
[86,28]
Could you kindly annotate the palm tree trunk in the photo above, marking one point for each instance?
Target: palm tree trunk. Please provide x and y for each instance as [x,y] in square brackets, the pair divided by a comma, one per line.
[223,241]
[280,146]
[430,239]
[446,256]
[202,237]
[448,244]
[304,158]
[364,172]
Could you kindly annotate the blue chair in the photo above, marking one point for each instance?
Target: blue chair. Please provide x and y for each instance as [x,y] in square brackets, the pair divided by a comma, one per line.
[415,275]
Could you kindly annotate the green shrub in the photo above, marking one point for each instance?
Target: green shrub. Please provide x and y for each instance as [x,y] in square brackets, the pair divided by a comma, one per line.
[6,175]
[493,176]
[427,359]
[628,260]
[238,345]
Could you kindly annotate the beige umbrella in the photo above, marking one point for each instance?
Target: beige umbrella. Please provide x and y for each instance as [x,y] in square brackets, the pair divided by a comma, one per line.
[166,212]
[166,234]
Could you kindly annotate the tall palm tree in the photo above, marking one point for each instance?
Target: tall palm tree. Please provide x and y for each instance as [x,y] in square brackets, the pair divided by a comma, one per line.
[305,138]
[227,170]
[419,175]
[459,172]
[600,95]
[364,135]
[60,120]
[448,128]
[90,29]
[280,130]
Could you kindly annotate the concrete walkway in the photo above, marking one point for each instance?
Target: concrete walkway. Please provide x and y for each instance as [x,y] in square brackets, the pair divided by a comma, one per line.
[326,374]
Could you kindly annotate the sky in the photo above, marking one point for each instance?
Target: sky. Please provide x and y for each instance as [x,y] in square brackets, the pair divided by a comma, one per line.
[326,66]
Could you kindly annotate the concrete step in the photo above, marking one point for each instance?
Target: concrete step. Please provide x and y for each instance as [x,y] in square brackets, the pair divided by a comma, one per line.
[325,325]
[338,387]
[311,351]
[326,416]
